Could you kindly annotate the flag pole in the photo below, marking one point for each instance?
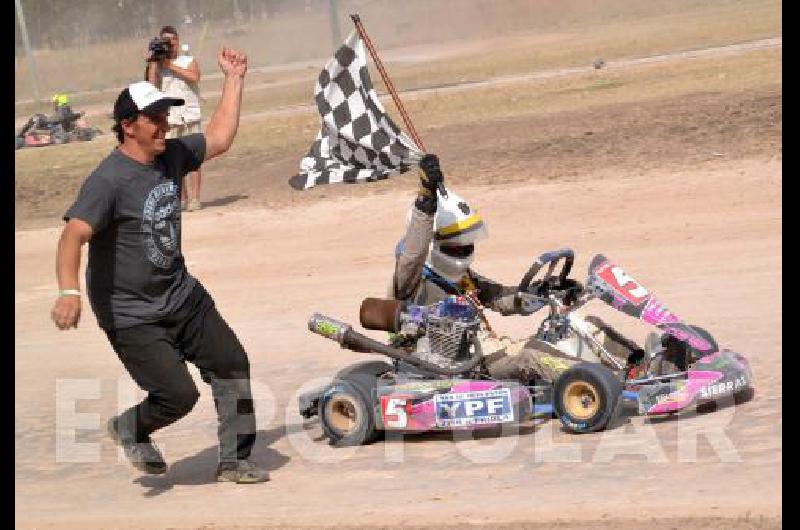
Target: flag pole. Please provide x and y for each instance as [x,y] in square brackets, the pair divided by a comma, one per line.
[390,87]
[386,81]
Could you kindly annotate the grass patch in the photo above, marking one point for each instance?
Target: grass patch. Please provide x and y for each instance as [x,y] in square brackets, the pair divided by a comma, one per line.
[45,173]
[47,178]
[750,71]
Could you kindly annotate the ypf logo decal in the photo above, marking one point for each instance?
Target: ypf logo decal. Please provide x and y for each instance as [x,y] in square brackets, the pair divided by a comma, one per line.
[159,225]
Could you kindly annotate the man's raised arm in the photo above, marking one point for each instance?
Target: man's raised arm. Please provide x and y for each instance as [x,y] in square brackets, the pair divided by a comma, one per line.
[225,121]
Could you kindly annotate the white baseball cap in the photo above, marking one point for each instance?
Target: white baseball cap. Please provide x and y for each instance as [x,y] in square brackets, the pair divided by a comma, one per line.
[142,96]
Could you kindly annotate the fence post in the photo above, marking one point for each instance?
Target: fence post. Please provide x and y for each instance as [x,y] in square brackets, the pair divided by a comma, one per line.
[31,60]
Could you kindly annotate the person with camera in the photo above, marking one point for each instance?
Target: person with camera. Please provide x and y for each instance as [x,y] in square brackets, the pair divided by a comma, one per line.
[155,314]
[178,76]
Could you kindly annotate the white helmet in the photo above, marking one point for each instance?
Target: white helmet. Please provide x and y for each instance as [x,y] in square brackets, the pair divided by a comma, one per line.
[456,229]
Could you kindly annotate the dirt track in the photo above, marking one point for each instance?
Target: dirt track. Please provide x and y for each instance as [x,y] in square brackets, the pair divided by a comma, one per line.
[684,192]
[709,248]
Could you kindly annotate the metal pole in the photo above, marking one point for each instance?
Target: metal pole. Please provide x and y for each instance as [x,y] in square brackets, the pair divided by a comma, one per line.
[31,61]
[336,32]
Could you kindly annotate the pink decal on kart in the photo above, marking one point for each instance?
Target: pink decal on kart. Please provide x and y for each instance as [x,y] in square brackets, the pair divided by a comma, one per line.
[697,381]
[656,313]
[472,386]
[685,333]
[737,361]
[706,359]
[423,415]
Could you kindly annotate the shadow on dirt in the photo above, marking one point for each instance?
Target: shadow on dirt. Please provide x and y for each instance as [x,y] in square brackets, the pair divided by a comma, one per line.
[200,469]
[460,436]
[224,201]
[314,431]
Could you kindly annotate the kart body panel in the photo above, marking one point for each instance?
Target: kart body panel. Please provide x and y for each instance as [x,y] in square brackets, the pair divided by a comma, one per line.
[712,378]
[715,375]
[451,404]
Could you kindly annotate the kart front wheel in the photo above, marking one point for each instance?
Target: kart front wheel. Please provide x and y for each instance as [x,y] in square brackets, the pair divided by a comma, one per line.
[346,410]
[586,397]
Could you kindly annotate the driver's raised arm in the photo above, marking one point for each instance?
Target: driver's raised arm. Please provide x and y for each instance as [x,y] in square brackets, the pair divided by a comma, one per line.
[413,250]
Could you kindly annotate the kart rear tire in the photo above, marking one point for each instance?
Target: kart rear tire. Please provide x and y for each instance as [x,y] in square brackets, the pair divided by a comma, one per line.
[347,410]
[587,397]
[374,368]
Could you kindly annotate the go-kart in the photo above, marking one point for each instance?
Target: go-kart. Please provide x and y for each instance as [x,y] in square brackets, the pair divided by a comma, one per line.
[61,128]
[436,380]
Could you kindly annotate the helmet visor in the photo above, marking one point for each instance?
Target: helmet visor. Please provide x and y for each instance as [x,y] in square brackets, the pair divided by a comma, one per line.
[457,251]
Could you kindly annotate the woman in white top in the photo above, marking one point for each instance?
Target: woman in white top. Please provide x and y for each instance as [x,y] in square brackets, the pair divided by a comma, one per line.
[178,76]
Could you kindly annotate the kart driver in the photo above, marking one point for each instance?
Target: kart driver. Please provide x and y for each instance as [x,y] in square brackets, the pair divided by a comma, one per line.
[433,261]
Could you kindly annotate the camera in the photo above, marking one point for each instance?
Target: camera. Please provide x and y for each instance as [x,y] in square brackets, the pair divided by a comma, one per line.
[158,49]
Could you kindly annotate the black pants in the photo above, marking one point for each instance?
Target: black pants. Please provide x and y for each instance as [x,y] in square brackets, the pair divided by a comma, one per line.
[155,356]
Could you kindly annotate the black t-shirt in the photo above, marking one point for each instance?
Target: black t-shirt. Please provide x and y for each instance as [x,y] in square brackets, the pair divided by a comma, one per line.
[136,273]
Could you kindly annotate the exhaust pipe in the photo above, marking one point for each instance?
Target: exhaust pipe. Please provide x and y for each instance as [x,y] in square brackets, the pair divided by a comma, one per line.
[347,337]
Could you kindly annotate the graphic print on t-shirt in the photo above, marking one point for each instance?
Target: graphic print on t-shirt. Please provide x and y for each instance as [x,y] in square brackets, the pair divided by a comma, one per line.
[159,224]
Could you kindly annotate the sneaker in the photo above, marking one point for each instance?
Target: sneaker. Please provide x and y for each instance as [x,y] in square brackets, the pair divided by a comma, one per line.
[193,205]
[143,455]
[241,472]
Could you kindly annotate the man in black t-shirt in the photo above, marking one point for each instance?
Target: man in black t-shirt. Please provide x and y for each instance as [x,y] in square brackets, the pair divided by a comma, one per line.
[154,313]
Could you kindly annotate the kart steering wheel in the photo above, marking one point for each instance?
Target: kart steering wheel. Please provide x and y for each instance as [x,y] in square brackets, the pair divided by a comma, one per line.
[551,259]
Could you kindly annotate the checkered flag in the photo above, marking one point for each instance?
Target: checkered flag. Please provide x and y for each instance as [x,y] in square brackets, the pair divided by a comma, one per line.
[357,140]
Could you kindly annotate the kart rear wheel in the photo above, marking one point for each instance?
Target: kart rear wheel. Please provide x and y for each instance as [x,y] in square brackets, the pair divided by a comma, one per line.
[586,397]
[347,411]
[375,368]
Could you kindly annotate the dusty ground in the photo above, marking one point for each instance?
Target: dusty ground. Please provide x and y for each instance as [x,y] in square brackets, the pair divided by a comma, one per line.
[680,184]
[710,248]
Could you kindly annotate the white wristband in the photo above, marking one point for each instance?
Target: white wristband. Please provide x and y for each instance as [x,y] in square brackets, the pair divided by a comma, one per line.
[67,292]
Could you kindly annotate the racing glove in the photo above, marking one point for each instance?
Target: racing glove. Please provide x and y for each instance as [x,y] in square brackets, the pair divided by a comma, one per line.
[430,177]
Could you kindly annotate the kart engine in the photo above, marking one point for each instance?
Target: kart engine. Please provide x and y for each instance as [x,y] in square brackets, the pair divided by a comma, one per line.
[444,334]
